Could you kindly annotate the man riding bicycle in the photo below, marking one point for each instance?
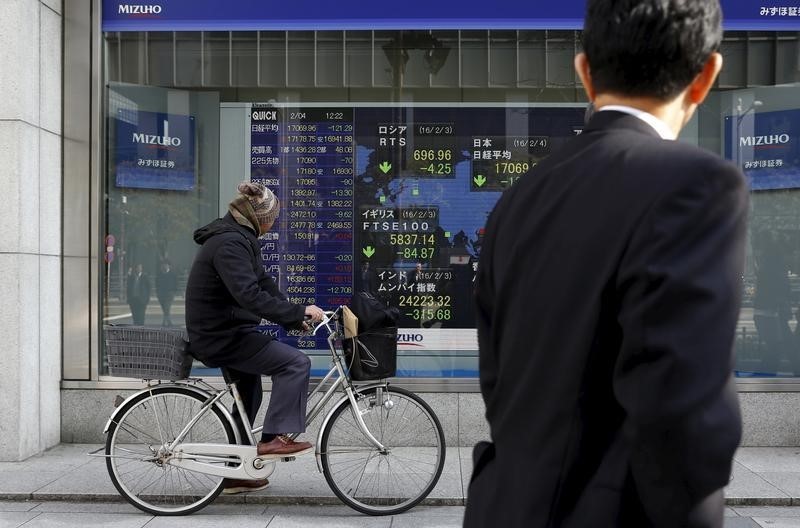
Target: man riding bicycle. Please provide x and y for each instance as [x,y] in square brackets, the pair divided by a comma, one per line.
[227,295]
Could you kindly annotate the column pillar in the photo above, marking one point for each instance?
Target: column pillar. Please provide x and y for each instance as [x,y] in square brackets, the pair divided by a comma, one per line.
[30,227]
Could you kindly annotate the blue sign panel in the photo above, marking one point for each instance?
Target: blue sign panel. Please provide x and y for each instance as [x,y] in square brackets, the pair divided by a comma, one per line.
[213,15]
[154,150]
[766,146]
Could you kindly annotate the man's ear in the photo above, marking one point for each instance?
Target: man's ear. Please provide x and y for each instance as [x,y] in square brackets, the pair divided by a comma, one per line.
[582,69]
[704,80]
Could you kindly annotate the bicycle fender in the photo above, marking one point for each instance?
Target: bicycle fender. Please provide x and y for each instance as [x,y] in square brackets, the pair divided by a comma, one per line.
[342,401]
[121,406]
[192,388]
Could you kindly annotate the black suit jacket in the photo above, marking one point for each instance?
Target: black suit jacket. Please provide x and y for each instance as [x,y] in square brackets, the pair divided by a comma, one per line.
[607,296]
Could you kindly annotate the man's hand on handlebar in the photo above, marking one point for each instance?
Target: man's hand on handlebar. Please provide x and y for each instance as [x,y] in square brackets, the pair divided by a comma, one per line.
[314,314]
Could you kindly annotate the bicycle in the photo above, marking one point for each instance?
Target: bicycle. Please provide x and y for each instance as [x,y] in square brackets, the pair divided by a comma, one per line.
[170,445]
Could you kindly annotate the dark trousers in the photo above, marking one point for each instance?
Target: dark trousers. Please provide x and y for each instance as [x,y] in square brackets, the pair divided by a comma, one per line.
[138,309]
[290,370]
[776,335]
[166,307]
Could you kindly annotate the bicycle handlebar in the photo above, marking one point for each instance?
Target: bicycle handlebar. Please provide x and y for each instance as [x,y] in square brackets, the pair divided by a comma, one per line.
[329,315]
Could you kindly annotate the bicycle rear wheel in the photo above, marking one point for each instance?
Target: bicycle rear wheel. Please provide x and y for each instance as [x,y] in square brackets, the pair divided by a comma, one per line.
[387,483]
[137,455]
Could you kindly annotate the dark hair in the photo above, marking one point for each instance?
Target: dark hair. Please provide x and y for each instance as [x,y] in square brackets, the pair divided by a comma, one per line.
[649,48]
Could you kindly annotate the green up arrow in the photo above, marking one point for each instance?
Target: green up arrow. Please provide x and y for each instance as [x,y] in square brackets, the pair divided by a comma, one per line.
[385,167]
[479,180]
[368,251]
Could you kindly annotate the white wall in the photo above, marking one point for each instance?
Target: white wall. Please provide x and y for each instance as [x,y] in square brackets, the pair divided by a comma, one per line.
[30,220]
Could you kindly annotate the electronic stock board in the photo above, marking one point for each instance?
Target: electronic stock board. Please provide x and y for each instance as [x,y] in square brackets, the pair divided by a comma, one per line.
[393,200]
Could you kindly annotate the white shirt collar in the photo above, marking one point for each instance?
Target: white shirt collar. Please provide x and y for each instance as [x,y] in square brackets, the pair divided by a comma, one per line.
[658,125]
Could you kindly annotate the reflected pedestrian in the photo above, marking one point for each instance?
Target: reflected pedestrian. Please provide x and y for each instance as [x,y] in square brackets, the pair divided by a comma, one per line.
[138,293]
[166,286]
[368,279]
[772,302]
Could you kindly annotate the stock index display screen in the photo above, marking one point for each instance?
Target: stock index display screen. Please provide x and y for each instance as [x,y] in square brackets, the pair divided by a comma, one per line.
[393,200]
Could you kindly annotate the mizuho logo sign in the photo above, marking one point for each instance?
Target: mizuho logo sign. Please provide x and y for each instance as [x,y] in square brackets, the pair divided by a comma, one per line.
[755,141]
[410,339]
[139,9]
[164,141]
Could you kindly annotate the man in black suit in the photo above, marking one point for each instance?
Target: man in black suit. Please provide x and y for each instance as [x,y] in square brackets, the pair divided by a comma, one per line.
[138,293]
[607,296]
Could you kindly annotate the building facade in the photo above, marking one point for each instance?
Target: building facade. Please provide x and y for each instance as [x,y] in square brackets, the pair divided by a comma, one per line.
[388,139]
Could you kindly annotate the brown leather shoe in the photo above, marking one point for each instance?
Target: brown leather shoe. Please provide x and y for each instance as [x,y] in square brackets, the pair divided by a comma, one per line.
[241,486]
[283,446]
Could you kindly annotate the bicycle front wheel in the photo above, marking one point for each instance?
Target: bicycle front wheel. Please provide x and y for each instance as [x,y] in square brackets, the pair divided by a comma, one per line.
[390,482]
[137,451]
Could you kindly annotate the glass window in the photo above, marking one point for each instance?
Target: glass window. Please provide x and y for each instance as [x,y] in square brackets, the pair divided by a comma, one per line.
[350,127]
[162,181]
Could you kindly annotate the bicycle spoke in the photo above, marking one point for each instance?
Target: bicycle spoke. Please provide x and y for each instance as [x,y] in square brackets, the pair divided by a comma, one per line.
[383,482]
[133,432]
[144,476]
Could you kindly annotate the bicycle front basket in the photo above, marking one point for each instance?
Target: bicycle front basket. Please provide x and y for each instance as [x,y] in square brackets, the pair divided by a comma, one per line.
[372,355]
[147,352]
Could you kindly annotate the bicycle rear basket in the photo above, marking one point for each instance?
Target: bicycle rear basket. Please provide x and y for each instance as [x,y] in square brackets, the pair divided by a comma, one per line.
[147,352]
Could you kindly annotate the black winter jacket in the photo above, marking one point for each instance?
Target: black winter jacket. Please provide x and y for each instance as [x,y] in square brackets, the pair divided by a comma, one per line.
[228,293]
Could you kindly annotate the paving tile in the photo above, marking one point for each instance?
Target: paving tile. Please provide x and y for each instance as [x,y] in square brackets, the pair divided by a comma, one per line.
[15,519]
[63,457]
[313,511]
[438,521]
[317,516]
[749,485]
[767,511]
[72,450]
[788,482]
[26,482]
[775,459]
[210,521]
[314,521]
[71,520]
[739,522]
[41,463]
[18,506]
[233,509]
[86,507]
[91,479]
[430,517]
[777,522]
[433,511]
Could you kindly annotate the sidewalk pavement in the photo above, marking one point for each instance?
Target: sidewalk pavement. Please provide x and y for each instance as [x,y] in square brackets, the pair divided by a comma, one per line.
[762,476]
[62,514]
[30,514]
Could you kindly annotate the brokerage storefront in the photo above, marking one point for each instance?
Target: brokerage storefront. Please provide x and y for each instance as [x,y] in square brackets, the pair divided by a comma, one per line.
[388,134]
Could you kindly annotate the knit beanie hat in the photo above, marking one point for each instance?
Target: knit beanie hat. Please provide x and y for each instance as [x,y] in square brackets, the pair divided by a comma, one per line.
[263,208]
